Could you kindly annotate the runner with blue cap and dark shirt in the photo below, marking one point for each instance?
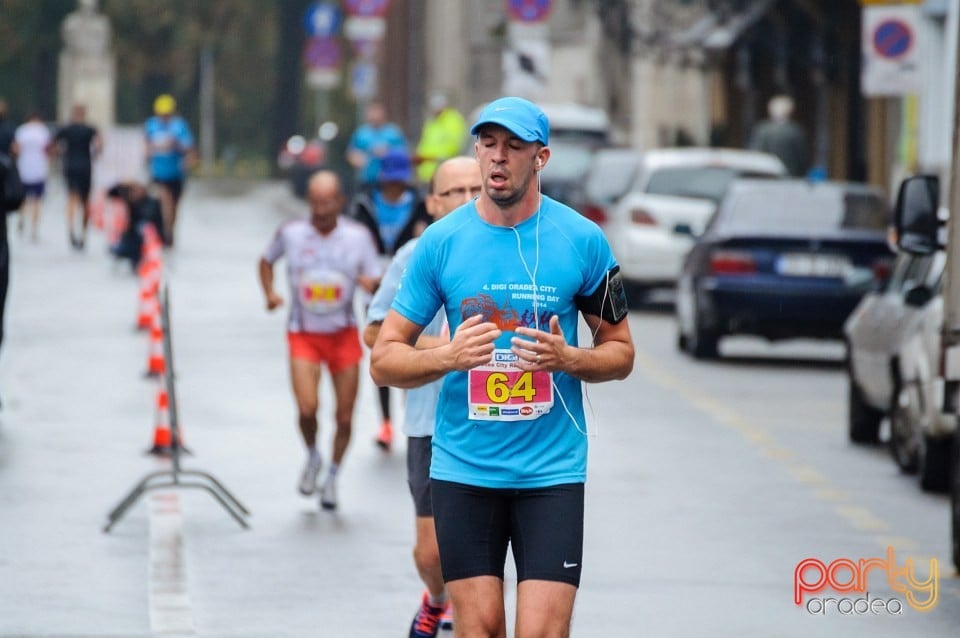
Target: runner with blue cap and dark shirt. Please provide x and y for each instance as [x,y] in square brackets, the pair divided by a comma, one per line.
[512,270]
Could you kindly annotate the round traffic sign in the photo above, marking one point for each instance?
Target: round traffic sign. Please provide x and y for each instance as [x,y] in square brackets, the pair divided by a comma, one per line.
[367,8]
[892,38]
[529,10]
[321,20]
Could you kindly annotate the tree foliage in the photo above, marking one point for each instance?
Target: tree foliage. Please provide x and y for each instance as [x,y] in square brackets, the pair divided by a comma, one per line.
[157,45]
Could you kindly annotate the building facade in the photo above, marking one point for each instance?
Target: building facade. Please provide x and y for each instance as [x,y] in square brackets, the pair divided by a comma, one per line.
[685,72]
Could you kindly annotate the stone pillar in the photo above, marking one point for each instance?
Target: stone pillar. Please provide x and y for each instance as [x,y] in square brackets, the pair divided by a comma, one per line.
[87,73]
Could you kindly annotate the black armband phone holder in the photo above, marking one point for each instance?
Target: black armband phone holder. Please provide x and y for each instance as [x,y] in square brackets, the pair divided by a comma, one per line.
[608,301]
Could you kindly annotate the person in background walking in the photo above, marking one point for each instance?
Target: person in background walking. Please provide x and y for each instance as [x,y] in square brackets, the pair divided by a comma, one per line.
[455,182]
[170,152]
[371,141]
[33,140]
[329,258]
[444,134]
[394,213]
[79,143]
[783,137]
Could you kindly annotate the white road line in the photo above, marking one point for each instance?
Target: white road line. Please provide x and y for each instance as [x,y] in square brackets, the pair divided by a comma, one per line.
[171,613]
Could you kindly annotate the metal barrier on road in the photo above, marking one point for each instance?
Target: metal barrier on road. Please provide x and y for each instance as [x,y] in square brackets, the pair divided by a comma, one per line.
[174,478]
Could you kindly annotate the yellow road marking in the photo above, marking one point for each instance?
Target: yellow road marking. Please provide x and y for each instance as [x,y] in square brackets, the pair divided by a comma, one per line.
[857,516]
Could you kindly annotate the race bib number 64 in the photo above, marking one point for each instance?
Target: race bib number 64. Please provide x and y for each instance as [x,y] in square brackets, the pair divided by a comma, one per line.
[500,391]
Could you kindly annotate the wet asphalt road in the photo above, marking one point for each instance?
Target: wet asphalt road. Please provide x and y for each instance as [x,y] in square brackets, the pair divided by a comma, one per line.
[708,482]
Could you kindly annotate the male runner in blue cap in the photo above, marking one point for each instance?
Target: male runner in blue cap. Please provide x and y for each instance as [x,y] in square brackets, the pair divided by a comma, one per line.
[513,270]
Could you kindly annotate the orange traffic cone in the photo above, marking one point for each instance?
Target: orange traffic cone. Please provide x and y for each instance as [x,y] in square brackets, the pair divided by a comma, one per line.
[156,359]
[147,309]
[149,305]
[162,437]
[152,245]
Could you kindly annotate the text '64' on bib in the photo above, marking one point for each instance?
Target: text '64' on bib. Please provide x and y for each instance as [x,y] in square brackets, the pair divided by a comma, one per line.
[500,391]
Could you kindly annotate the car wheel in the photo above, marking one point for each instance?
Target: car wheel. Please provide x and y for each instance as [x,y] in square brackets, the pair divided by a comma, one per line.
[903,441]
[934,461]
[863,421]
[702,343]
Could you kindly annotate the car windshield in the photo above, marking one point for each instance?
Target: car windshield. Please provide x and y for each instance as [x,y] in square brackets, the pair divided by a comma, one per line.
[802,208]
[567,161]
[611,174]
[702,182]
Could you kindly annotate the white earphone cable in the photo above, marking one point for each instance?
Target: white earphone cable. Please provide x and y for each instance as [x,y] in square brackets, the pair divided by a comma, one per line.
[536,306]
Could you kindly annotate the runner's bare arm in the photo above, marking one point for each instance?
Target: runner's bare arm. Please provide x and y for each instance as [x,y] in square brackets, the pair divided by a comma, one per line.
[266,282]
[396,361]
[369,284]
[611,357]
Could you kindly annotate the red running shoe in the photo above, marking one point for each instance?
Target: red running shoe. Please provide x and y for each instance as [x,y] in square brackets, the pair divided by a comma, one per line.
[426,624]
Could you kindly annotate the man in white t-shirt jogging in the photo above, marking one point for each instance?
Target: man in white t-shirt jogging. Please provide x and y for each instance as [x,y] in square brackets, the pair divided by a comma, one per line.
[455,182]
[328,258]
[33,161]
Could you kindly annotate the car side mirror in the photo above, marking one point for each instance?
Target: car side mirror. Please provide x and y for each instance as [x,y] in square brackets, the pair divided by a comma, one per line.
[915,215]
[918,296]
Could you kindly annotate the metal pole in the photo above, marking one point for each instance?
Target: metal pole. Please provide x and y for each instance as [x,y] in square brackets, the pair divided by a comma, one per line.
[951,323]
[323,114]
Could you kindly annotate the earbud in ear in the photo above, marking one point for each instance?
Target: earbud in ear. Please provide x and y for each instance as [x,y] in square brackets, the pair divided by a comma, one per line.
[539,164]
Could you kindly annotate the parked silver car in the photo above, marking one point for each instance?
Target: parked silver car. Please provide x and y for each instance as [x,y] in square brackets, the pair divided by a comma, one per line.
[674,192]
[921,433]
[873,334]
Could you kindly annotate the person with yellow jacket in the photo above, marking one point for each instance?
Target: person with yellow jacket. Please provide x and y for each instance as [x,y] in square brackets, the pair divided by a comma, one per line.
[442,137]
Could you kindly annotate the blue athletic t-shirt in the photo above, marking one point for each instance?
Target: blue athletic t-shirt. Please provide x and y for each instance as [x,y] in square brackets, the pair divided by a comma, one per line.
[376,142]
[497,426]
[169,140]
[392,217]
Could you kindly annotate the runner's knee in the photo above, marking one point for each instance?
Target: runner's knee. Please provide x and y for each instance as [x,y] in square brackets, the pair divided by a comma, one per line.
[426,556]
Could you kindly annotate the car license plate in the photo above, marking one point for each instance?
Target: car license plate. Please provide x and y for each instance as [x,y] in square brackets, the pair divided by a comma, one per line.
[811,265]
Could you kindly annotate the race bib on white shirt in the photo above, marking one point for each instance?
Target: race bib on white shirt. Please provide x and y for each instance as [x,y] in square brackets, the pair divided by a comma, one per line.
[323,291]
[500,391]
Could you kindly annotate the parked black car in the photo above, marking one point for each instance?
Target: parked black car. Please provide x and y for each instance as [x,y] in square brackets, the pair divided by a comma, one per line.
[782,259]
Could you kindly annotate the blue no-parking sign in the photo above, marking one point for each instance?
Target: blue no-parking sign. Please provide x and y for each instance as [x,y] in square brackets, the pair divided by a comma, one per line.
[892,38]
[891,60]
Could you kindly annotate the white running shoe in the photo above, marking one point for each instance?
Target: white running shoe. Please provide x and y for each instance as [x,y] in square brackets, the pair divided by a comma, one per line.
[308,480]
[328,494]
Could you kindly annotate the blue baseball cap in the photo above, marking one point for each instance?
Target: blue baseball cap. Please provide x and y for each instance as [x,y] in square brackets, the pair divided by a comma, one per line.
[395,166]
[521,117]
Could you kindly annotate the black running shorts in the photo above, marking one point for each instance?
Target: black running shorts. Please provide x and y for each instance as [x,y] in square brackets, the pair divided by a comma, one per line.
[175,186]
[543,525]
[79,182]
[419,452]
